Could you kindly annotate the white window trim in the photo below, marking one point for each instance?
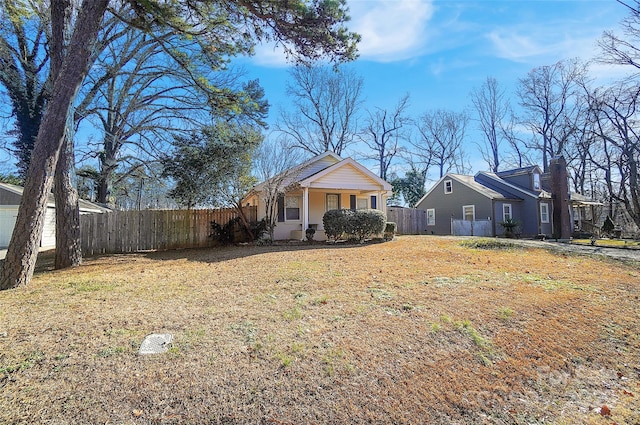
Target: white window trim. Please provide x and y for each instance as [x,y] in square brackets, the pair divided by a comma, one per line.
[473,208]
[450,183]
[504,212]
[546,207]
[327,200]
[536,179]
[299,200]
[433,216]
[361,199]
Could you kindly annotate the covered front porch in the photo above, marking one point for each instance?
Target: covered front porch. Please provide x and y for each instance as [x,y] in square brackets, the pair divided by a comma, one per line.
[314,202]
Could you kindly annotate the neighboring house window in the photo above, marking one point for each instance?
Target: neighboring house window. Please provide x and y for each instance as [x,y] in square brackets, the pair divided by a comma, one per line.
[431,217]
[352,202]
[362,204]
[374,202]
[544,212]
[333,201]
[469,212]
[506,212]
[448,186]
[292,207]
[536,181]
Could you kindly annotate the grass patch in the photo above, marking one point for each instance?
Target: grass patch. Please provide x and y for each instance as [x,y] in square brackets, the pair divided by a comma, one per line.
[414,331]
[488,244]
[28,362]
[505,313]
[609,243]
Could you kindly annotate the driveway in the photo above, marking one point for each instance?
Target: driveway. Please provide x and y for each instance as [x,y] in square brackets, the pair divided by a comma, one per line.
[615,253]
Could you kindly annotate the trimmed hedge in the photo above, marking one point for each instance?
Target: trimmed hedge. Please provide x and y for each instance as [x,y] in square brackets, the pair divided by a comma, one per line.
[355,224]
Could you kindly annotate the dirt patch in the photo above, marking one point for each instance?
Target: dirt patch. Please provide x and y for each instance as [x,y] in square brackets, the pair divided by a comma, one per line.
[416,330]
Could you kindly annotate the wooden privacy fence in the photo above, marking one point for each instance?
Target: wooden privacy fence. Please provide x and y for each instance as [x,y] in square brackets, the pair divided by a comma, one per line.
[131,231]
[409,221]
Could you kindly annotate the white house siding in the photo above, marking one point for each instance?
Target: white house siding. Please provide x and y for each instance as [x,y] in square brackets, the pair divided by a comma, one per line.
[49,231]
[317,208]
[346,177]
[8,214]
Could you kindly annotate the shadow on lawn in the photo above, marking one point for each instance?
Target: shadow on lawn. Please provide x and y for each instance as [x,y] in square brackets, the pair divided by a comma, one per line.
[45,261]
[230,252]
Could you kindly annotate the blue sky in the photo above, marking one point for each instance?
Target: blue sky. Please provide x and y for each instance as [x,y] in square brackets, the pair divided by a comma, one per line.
[439,50]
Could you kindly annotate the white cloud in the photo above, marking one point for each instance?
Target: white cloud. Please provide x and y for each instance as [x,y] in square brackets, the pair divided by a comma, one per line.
[391,29]
[546,43]
[270,55]
[516,47]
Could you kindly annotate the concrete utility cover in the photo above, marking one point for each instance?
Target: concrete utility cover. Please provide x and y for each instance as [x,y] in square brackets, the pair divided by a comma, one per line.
[155,344]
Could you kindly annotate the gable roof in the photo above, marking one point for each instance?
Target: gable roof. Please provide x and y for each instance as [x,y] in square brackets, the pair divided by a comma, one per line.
[85,206]
[314,169]
[472,184]
[309,180]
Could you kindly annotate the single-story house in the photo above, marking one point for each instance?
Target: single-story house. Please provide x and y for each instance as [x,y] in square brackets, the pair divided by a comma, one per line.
[476,205]
[306,191]
[10,196]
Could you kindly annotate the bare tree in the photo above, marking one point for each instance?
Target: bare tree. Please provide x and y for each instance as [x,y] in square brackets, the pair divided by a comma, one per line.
[492,108]
[326,102]
[617,50]
[519,154]
[440,141]
[549,96]
[140,96]
[617,127]
[383,133]
[277,166]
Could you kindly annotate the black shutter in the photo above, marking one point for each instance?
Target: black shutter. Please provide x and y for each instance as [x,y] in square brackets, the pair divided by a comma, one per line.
[280,209]
[374,202]
[352,202]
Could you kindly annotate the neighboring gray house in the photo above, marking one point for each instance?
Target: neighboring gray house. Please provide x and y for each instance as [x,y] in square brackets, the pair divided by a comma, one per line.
[476,205]
[10,196]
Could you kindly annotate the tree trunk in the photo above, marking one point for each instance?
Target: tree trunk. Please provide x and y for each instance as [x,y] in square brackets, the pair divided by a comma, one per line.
[243,219]
[68,245]
[20,261]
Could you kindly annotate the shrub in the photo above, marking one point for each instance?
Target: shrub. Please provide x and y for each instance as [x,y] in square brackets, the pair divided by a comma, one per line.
[390,230]
[259,229]
[509,226]
[224,234]
[356,224]
[333,222]
[310,232]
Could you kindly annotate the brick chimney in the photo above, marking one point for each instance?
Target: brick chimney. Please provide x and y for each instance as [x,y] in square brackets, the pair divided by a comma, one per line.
[560,194]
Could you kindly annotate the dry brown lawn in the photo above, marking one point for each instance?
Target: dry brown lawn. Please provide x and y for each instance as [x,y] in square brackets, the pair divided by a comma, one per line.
[419,330]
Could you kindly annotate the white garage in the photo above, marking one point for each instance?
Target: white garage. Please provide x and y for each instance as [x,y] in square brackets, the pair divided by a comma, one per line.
[10,196]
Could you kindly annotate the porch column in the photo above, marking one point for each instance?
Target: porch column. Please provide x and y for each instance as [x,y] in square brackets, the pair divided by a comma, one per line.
[305,211]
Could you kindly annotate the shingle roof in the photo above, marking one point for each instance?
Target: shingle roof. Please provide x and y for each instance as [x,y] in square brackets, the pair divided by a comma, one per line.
[473,184]
[83,204]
